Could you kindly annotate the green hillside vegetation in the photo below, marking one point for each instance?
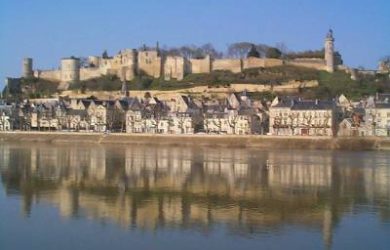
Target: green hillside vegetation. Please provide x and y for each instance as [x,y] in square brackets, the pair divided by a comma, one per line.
[32,88]
[331,85]
[103,83]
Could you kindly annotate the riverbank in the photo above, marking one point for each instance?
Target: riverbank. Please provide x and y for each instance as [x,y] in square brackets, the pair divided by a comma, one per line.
[244,141]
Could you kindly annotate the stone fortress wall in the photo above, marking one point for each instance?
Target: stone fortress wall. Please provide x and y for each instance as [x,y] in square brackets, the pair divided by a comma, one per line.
[314,63]
[233,65]
[129,63]
[198,66]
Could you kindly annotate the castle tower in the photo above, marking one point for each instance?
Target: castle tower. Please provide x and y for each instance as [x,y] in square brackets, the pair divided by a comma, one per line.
[329,51]
[27,70]
[70,69]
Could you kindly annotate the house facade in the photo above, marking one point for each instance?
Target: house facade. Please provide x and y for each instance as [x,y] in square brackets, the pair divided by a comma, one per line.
[305,118]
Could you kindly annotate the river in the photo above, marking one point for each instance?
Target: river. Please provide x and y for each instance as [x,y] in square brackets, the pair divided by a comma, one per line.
[160,197]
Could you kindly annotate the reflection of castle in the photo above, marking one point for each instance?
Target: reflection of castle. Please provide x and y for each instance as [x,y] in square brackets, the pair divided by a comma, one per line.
[153,187]
[130,62]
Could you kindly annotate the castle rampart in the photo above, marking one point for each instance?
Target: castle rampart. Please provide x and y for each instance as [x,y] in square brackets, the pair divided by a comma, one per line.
[198,66]
[174,67]
[149,63]
[313,63]
[233,65]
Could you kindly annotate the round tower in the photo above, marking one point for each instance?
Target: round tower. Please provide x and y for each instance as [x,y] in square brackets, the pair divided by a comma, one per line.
[329,51]
[70,69]
[27,70]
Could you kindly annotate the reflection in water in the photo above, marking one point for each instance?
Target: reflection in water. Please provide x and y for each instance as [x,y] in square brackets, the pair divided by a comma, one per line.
[248,191]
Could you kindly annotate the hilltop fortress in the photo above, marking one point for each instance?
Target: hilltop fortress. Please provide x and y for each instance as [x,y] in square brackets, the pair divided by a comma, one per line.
[129,63]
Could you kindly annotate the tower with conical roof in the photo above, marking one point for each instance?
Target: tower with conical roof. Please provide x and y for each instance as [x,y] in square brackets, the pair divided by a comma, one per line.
[329,51]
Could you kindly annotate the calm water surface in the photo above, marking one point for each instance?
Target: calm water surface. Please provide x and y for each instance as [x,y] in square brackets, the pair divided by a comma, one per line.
[143,197]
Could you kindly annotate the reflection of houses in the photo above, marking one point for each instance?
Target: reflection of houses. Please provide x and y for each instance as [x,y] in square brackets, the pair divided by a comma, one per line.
[300,170]
[157,187]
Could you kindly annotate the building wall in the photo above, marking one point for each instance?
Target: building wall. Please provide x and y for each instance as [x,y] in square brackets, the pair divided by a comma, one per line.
[198,66]
[149,62]
[284,121]
[233,65]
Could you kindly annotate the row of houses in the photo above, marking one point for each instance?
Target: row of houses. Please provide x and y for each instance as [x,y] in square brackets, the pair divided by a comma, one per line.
[236,114]
[178,115]
[340,117]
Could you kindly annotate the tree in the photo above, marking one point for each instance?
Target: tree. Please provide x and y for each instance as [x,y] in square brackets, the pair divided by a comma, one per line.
[105,54]
[282,47]
[273,53]
[208,49]
[239,50]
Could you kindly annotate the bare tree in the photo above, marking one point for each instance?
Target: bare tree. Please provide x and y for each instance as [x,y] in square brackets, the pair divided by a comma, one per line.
[239,50]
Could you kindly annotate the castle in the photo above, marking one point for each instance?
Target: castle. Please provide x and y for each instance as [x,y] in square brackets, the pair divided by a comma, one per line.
[129,63]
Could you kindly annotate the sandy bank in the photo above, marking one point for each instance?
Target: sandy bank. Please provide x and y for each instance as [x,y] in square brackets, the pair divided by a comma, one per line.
[272,142]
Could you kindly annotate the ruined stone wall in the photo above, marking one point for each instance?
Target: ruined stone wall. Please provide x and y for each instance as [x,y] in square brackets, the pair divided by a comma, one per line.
[149,62]
[198,66]
[233,65]
[314,63]
[174,67]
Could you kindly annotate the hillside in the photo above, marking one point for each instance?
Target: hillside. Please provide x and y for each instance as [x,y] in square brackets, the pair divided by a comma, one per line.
[330,85]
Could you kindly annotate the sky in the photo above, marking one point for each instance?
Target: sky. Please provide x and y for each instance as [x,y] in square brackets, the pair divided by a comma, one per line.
[48,30]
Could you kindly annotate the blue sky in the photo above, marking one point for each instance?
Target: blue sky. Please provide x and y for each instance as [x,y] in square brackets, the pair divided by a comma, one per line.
[48,30]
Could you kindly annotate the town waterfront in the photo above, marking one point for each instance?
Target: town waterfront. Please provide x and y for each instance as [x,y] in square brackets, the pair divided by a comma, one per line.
[74,196]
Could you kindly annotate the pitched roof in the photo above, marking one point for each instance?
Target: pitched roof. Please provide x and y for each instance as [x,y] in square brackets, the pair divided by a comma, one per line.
[81,113]
[313,105]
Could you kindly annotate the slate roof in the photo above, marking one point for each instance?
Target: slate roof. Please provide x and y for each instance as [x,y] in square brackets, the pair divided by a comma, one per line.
[382,105]
[313,105]
[74,112]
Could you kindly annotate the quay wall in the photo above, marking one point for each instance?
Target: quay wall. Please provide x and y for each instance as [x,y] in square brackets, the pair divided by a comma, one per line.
[248,141]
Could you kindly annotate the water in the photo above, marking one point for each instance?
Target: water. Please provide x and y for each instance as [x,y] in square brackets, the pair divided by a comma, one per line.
[142,197]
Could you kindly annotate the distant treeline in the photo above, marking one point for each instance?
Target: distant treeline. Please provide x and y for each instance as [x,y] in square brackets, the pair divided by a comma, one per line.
[241,50]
